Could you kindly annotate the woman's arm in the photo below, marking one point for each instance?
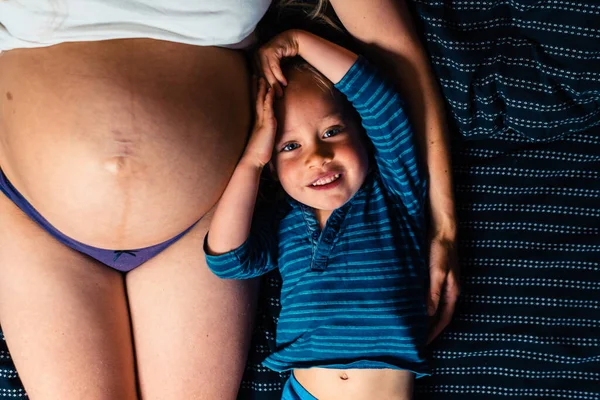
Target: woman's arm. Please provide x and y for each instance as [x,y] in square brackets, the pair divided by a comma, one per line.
[231,222]
[385,29]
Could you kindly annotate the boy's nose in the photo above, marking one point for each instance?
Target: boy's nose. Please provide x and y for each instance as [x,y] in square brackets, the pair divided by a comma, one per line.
[320,156]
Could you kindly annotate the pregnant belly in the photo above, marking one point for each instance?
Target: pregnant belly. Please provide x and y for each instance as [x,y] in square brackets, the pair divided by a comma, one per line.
[122,144]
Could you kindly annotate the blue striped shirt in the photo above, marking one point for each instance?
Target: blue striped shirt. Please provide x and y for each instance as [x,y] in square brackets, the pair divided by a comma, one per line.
[353,293]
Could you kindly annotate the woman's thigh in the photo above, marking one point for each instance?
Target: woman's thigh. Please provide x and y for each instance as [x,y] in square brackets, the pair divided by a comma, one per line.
[191,329]
[64,317]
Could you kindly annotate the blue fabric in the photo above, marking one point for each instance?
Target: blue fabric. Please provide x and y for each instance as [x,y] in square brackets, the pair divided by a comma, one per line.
[529,67]
[293,390]
[527,325]
[353,294]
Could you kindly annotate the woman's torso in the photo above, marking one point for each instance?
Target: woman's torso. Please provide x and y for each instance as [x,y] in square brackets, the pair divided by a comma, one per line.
[122,143]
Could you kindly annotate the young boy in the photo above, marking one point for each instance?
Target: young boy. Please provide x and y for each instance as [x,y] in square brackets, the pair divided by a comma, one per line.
[348,240]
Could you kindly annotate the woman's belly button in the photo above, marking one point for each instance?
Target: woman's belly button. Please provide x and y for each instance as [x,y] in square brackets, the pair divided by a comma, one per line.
[123,159]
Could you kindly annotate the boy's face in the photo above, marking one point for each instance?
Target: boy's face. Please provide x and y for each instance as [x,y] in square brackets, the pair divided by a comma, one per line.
[319,156]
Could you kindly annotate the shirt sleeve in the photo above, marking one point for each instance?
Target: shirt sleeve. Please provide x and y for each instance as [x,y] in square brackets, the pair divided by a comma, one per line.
[387,125]
[255,257]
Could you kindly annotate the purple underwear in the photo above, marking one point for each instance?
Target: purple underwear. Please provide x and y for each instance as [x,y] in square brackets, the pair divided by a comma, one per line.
[121,260]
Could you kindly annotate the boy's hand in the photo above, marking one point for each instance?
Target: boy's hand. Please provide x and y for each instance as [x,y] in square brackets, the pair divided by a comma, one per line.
[269,58]
[260,146]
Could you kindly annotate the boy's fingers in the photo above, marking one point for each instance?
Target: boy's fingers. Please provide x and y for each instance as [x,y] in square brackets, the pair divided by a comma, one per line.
[278,89]
[269,75]
[275,84]
[269,115]
[268,104]
[266,70]
[260,99]
[276,68]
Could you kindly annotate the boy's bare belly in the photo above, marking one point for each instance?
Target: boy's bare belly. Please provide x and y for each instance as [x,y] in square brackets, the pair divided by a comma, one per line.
[356,384]
[122,144]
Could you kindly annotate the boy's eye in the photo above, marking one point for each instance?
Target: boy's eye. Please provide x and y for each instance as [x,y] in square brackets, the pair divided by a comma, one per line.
[290,147]
[331,132]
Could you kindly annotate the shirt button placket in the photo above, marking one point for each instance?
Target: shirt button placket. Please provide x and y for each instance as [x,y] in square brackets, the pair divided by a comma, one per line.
[316,264]
[321,258]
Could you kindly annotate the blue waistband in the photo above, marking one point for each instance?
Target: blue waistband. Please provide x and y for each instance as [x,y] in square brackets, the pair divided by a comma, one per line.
[293,390]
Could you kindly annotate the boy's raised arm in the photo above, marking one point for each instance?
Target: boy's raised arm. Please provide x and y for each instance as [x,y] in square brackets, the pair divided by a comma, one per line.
[331,60]
[382,113]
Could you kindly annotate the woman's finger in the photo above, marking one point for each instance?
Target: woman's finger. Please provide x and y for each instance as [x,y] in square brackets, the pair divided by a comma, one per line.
[444,260]
[439,259]
[446,307]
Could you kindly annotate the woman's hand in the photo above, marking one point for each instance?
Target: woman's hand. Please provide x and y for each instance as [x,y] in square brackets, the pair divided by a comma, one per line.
[269,58]
[260,146]
[444,283]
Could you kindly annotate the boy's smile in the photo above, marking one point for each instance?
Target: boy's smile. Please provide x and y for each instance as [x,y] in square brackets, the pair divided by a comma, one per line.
[326,181]
[320,155]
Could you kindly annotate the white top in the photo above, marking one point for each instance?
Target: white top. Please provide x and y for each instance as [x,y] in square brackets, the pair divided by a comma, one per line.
[40,23]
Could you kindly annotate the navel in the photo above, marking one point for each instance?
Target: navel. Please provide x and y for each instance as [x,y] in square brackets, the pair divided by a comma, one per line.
[116,165]
[123,152]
